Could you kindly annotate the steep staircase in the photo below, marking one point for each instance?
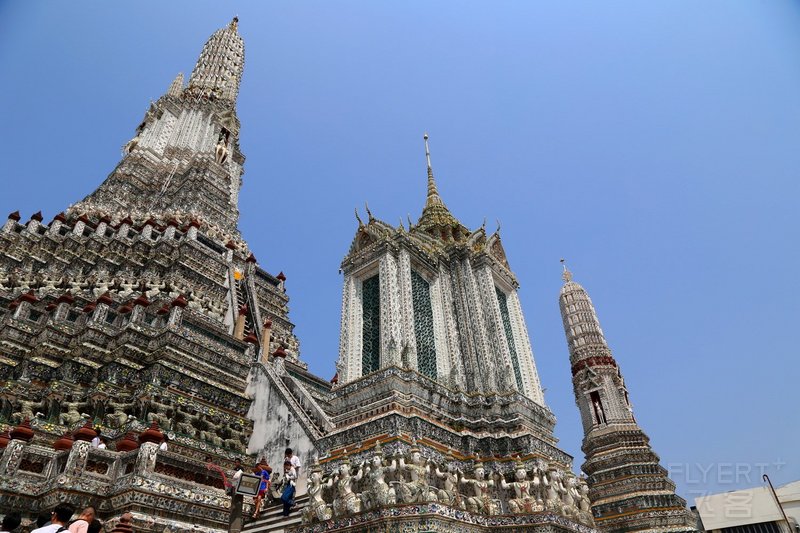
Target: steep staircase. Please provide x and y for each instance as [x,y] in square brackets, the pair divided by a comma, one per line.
[272,521]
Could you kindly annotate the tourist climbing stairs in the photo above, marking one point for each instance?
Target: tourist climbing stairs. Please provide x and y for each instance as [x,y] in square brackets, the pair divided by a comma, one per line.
[272,521]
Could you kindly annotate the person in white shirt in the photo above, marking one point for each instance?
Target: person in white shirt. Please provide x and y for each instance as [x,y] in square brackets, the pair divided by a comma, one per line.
[294,460]
[96,441]
[103,444]
[58,519]
[163,446]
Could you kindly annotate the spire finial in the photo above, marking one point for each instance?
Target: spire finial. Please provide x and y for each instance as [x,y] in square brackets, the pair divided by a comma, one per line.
[235,23]
[566,275]
[427,151]
[433,193]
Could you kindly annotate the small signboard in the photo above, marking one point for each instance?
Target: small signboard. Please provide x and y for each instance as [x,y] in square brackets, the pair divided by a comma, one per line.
[248,485]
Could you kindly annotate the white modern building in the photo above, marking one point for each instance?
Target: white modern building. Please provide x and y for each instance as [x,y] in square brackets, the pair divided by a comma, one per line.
[752,510]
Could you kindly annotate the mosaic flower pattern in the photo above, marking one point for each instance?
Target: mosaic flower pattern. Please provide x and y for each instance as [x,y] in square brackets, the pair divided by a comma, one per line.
[423,325]
[371,332]
[503,301]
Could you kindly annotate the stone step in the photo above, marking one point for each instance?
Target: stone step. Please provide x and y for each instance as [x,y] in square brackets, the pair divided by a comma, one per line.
[271,520]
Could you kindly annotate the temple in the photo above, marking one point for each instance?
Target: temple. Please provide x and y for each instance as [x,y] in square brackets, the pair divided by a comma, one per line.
[436,419]
[629,489]
[139,313]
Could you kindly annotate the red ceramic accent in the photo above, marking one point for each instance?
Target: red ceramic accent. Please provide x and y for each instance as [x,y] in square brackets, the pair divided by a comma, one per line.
[105,299]
[127,443]
[142,300]
[106,219]
[281,276]
[14,304]
[164,310]
[29,297]
[194,223]
[180,301]
[230,245]
[335,378]
[85,433]
[37,216]
[172,222]
[243,310]
[14,216]
[280,352]
[125,309]
[65,298]
[268,323]
[50,307]
[5,438]
[89,307]
[250,258]
[23,431]
[64,443]
[252,339]
[151,434]
[60,217]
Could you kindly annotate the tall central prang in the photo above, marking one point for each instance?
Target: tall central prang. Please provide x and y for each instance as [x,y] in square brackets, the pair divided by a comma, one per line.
[140,313]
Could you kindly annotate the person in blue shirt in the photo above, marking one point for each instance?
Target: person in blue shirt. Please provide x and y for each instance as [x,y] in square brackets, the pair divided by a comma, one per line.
[262,470]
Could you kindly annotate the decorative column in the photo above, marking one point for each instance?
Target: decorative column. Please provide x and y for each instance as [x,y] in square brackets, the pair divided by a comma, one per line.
[390,313]
[530,376]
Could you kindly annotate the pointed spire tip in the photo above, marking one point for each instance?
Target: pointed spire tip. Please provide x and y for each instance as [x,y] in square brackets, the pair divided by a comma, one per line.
[566,275]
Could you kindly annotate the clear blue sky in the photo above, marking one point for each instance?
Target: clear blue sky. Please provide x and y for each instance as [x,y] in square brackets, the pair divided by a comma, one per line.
[655,145]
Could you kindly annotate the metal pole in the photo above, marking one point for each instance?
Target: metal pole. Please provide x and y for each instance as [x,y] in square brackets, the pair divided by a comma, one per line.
[765,477]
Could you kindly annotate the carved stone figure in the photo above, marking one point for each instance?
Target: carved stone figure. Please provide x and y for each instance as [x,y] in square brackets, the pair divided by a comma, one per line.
[377,492]
[130,145]
[449,494]
[25,411]
[584,504]
[552,484]
[72,416]
[481,502]
[117,418]
[568,493]
[346,501]
[524,500]
[416,489]
[316,510]
[221,151]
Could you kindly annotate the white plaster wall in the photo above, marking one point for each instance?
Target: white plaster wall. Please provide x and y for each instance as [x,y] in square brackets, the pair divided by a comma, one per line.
[275,427]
